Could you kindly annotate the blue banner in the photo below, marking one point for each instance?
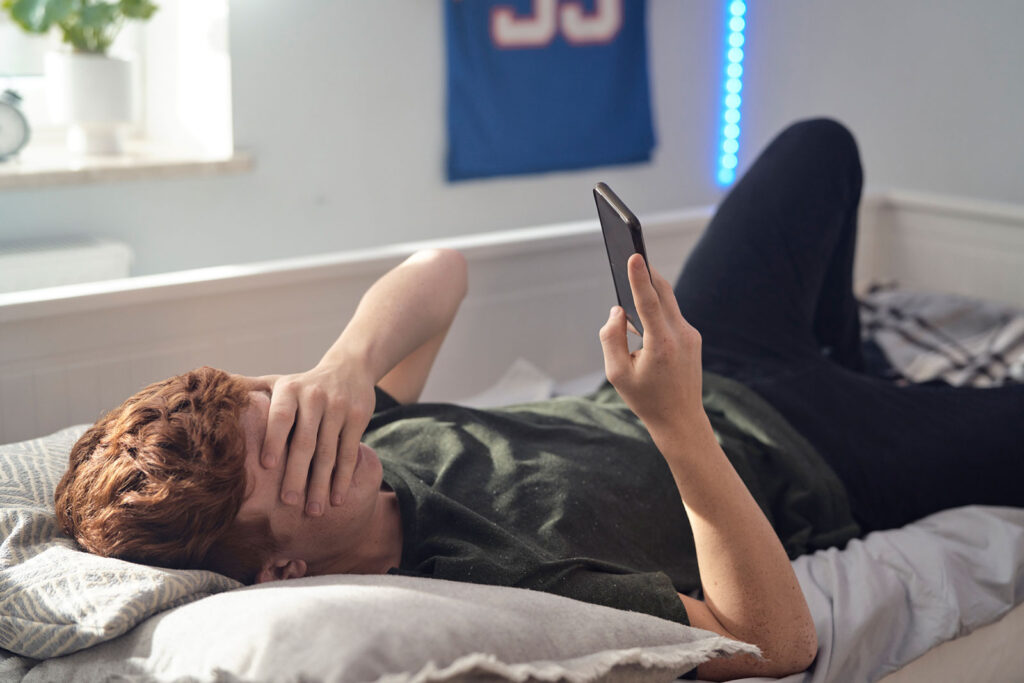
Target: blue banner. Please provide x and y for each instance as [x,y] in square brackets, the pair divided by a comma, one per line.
[542,85]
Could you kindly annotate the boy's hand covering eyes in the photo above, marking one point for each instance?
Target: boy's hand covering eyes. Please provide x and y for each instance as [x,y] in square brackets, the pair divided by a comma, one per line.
[326,411]
[660,382]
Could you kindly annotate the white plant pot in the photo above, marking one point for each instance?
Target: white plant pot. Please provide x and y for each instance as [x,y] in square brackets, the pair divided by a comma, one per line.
[92,95]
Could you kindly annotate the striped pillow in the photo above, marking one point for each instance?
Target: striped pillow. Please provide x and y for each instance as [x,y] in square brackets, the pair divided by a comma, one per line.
[54,597]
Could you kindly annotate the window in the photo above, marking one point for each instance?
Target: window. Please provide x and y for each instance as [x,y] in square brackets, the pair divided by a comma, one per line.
[21,70]
[21,55]
[182,79]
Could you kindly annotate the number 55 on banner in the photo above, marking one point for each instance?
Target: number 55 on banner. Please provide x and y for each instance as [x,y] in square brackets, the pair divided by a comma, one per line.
[549,17]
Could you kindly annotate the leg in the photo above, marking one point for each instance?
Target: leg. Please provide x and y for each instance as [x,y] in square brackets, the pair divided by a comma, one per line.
[904,452]
[769,286]
[772,275]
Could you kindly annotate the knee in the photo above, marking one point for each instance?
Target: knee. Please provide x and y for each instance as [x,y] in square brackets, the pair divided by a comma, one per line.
[828,150]
[827,136]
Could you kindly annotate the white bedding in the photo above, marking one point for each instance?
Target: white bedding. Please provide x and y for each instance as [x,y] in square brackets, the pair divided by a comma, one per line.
[885,600]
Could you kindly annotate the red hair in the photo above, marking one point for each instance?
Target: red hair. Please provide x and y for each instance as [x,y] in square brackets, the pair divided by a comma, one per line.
[160,479]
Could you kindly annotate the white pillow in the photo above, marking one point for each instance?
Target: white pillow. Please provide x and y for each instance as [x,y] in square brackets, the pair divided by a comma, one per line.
[54,597]
[392,628]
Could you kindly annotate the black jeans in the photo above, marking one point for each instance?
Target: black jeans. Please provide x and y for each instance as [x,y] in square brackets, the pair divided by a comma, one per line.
[769,287]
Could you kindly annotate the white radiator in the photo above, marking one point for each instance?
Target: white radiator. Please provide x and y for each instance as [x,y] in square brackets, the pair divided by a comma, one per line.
[34,264]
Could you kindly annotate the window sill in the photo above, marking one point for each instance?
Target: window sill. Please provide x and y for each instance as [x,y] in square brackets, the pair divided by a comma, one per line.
[48,167]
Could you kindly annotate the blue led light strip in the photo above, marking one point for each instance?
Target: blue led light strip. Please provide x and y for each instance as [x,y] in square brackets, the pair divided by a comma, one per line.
[730,147]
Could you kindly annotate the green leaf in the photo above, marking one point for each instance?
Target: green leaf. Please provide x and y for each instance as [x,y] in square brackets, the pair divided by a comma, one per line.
[37,16]
[97,17]
[138,9]
[74,36]
[88,25]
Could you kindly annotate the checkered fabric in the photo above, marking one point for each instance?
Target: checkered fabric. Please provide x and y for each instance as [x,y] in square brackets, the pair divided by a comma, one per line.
[932,337]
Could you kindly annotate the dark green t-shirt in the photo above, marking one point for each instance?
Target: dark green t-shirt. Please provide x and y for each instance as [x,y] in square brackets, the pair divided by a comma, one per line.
[570,495]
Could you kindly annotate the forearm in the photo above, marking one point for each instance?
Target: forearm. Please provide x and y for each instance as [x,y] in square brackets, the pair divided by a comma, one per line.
[749,585]
[750,591]
[409,307]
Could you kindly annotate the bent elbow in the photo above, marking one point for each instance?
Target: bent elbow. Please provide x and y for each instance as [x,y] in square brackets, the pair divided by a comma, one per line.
[449,265]
[806,659]
[460,270]
[790,652]
[802,652]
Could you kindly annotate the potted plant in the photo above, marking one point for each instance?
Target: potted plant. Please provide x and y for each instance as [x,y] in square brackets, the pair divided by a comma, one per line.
[88,90]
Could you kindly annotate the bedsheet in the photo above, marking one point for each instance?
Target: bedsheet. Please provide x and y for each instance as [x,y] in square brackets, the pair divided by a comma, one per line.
[887,599]
[930,336]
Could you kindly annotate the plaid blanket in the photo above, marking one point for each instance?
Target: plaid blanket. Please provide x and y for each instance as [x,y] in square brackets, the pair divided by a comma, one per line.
[930,337]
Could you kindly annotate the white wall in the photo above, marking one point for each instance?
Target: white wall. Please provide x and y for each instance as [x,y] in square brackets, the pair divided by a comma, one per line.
[932,88]
[342,102]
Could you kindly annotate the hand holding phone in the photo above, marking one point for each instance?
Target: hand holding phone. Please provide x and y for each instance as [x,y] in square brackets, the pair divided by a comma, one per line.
[622,238]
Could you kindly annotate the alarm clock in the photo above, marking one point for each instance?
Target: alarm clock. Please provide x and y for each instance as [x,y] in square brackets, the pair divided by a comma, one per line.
[14,131]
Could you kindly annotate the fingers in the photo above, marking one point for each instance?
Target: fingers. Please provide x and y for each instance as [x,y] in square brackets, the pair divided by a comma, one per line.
[346,462]
[301,451]
[645,296]
[284,404]
[264,382]
[666,294]
[318,486]
[314,424]
[660,301]
[253,383]
[614,346]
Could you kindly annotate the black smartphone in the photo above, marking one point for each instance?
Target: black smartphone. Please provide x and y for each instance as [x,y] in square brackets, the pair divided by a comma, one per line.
[622,239]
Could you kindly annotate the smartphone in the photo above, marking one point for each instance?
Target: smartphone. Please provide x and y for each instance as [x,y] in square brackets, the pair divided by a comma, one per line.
[622,239]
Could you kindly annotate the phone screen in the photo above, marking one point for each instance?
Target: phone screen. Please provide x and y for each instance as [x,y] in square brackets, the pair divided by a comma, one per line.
[622,239]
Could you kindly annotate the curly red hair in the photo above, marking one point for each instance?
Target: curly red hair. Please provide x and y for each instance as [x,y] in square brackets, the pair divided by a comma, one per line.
[160,479]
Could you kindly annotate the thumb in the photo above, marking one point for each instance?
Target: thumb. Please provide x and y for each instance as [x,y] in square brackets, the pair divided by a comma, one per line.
[266,381]
[614,345]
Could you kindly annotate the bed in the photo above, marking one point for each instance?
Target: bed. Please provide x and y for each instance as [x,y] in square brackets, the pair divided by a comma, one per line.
[937,600]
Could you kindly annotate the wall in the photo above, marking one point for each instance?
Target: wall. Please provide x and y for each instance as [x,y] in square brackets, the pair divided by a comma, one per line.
[342,103]
[931,87]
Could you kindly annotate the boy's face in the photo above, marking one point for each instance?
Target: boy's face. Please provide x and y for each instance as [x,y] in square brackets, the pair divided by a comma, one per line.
[317,539]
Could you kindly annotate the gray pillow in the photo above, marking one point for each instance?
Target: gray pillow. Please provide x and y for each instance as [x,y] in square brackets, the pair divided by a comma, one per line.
[392,628]
[54,597]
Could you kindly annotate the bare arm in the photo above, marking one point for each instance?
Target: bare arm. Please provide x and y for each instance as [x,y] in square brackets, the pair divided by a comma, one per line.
[750,590]
[402,320]
[391,340]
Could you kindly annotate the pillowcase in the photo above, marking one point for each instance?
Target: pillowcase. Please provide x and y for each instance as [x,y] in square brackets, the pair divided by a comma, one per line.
[392,629]
[54,597]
